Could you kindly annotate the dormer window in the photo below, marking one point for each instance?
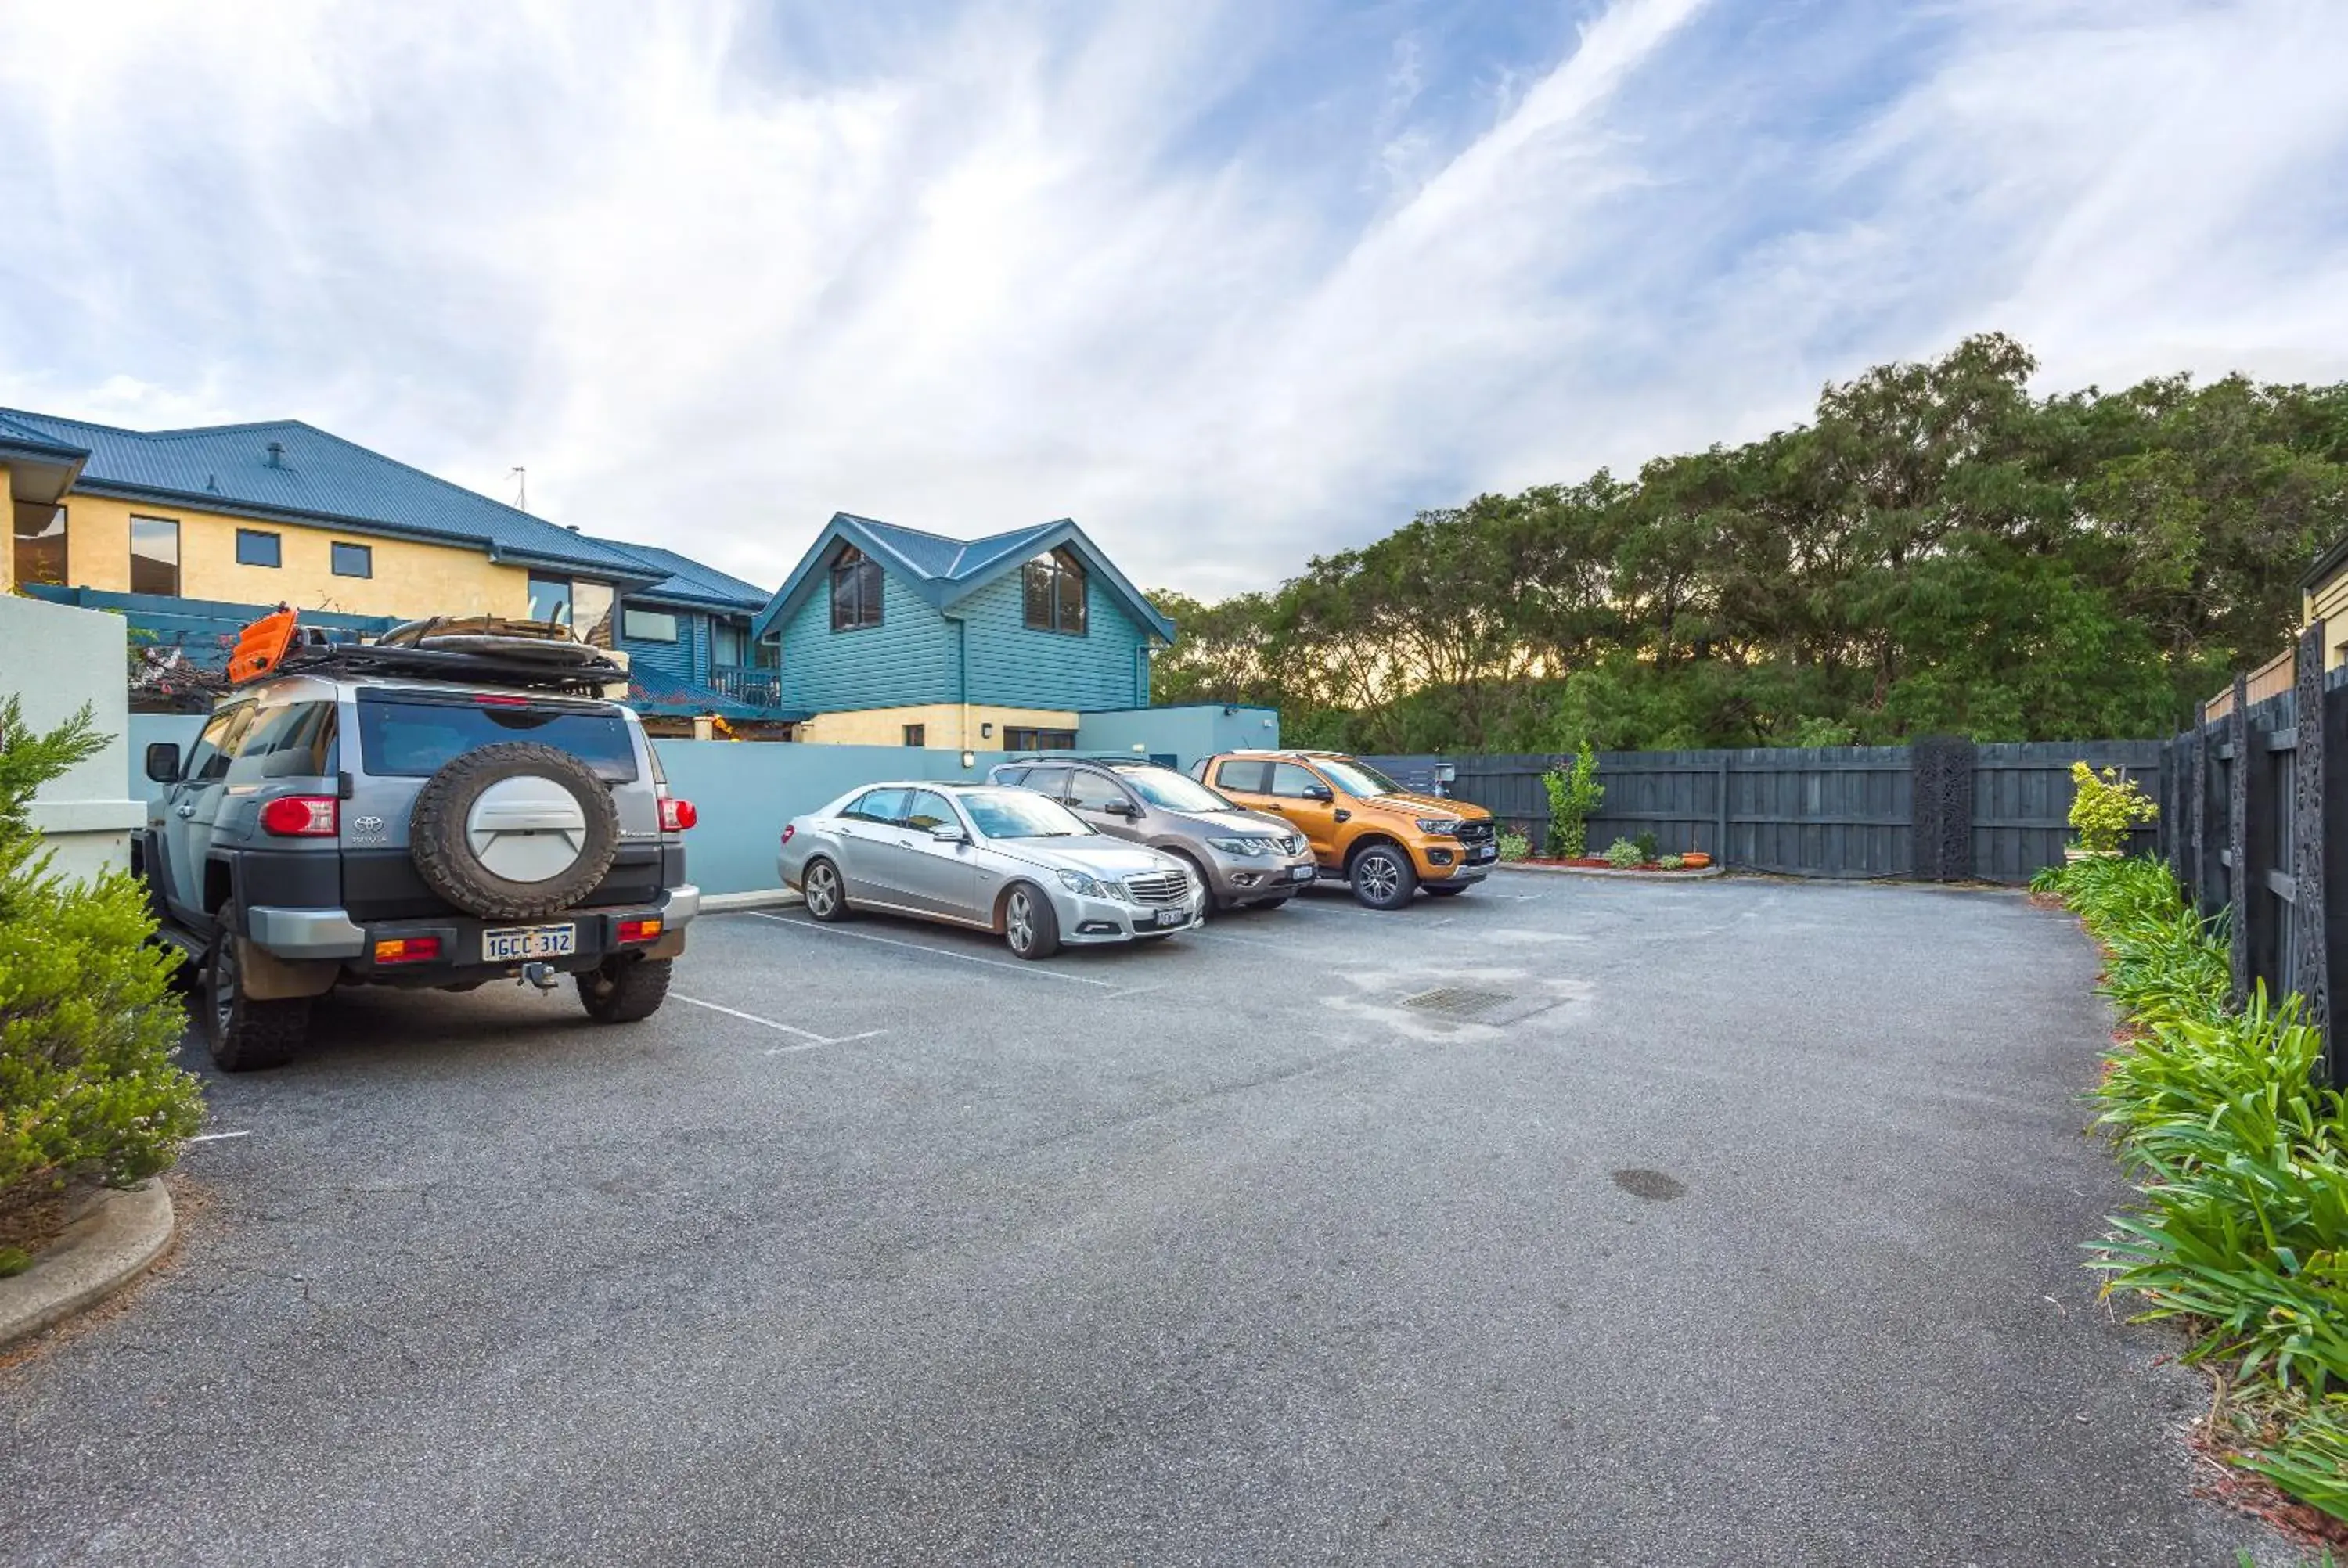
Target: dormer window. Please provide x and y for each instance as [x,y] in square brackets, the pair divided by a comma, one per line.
[855,590]
[1056,593]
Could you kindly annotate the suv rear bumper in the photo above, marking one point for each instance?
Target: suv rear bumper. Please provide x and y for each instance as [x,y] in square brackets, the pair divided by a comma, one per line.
[300,934]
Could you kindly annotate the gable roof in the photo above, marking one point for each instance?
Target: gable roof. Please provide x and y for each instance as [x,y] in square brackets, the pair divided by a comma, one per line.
[943,571]
[689,581]
[316,477]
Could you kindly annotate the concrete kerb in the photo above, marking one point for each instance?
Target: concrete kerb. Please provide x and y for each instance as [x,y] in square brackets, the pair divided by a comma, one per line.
[1703,875]
[112,1238]
[757,898]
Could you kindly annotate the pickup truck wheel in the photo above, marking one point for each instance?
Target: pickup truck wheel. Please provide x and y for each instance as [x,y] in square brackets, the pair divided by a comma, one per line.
[243,1034]
[1382,877]
[624,991]
[1029,926]
[513,831]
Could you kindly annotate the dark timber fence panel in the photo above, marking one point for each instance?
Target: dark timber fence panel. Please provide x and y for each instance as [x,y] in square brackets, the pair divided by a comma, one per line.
[1997,812]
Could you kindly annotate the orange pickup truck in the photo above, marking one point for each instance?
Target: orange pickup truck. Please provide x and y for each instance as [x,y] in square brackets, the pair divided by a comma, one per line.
[1384,841]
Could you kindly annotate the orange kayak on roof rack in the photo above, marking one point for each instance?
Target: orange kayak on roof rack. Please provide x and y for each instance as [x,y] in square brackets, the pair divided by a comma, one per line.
[261,645]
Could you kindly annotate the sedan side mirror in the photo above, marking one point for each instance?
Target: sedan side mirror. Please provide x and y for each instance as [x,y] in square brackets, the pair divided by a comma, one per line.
[948,833]
[163,760]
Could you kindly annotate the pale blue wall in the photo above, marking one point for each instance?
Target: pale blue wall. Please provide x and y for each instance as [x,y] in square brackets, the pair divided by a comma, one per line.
[1185,733]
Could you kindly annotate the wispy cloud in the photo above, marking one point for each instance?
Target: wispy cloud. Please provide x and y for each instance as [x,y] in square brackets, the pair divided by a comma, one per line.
[1230,283]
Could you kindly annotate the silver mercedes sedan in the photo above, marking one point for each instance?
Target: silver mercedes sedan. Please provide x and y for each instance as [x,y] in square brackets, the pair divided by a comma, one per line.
[1006,860]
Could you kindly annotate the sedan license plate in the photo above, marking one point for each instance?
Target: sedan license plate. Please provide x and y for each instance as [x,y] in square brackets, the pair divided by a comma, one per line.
[1301,873]
[1172,916]
[517,943]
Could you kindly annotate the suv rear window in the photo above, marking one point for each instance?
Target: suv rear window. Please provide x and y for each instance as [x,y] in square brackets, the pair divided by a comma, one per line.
[415,736]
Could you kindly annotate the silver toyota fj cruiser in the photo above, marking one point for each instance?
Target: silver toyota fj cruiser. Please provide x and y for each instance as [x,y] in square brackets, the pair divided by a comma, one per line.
[454,804]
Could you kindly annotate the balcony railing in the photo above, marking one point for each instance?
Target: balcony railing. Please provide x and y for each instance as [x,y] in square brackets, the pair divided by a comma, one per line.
[759,688]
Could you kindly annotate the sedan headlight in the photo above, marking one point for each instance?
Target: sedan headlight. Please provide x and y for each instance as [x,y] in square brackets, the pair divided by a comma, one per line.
[1082,885]
[1242,847]
[1440,824]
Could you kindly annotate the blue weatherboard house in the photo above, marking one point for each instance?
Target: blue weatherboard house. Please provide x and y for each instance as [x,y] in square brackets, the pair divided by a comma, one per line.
[890,636]
[687,637]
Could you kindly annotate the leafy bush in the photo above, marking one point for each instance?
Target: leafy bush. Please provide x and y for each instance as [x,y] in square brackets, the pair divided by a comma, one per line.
[1515,847]
[1671,863]
[1622,854]
[1648,844]
[88,1023]
[2241,1160]
[2105,806]
[1574,797]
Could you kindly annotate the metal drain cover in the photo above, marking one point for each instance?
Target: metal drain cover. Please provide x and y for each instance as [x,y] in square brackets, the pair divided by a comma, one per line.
[1456,1001]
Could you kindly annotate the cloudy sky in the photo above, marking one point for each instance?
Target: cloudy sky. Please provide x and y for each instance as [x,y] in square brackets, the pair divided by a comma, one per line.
[1231,284]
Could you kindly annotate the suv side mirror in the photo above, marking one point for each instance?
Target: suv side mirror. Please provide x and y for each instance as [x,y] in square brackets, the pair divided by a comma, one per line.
[1318,792]
[163,760]
[948,833]
[1121,808]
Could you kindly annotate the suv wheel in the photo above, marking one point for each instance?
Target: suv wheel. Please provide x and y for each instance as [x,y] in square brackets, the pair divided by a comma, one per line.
[1029,926]
[245,1035]
[1382,877]
[819,886]
[624,991]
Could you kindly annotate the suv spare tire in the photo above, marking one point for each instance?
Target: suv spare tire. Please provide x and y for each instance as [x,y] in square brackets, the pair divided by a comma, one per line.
[512,832]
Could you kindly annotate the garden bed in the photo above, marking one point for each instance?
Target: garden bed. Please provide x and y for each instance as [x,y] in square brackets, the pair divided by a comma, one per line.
[1591,865]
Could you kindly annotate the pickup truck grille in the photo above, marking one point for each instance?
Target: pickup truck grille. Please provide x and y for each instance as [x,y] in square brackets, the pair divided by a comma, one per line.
[1159,887]
[1479,832]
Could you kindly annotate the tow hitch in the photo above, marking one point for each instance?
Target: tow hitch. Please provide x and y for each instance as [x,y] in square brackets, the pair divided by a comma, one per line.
[543,976]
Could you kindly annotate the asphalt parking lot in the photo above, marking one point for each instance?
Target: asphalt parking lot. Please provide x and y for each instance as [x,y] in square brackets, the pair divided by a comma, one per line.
[1567,1222]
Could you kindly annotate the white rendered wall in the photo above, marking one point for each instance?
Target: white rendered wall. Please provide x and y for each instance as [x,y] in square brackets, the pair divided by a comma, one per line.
[53,659]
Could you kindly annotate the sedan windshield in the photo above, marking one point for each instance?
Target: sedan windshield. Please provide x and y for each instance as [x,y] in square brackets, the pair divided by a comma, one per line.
[1021,813]
[1356,778]
[1171,791]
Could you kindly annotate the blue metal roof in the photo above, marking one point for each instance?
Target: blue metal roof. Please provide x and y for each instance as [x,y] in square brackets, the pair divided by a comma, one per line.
[313,476]
[944,570]
[689,582]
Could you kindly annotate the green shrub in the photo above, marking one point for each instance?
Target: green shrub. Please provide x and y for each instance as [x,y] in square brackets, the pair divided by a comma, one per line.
[1574,797]
[88,1023]
[2105,806]
[1671,863]
[1648,844]
[1622,854]
[2241,1161]
[1515,847]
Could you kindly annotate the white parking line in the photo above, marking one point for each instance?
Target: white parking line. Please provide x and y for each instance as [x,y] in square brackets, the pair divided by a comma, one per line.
[216,1137]
[813,1038]
[1030,970]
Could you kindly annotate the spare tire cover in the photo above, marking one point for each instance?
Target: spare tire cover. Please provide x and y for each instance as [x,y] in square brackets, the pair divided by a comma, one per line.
[512,832]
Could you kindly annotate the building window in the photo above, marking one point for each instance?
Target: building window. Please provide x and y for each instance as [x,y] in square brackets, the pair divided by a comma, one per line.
[647,625]
[1056,593]
[1016,739]
[729,643]
[353,560]
[591,604]
[855,590]
[917,734]
[155,556]
[256,546]
[549,599]
[40,543]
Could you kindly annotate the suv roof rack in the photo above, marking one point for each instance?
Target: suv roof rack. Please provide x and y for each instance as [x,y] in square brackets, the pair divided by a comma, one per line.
[538,655]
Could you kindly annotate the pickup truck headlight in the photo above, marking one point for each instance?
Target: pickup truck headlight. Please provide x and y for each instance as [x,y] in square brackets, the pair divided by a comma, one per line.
[1082,885]
[1445,825]
[1241,847]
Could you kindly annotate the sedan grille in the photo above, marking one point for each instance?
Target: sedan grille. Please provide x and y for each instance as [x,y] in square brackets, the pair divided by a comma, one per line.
[1159,887]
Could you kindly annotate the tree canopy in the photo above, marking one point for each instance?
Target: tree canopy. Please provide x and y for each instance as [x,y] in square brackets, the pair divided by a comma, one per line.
[1937,551]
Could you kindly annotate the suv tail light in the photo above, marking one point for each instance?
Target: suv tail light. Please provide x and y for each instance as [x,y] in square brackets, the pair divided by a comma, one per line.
[302,816]
[676,816]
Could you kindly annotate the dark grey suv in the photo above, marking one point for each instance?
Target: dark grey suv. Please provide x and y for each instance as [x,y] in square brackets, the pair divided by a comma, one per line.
[1241,858]
[374,816]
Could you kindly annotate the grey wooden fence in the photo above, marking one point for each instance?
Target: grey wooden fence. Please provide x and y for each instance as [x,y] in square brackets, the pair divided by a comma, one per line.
[1991,812]
[2250,793]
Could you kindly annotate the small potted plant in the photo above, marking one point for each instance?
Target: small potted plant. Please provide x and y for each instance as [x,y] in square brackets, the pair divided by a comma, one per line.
[1694,859]
[2104,809]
